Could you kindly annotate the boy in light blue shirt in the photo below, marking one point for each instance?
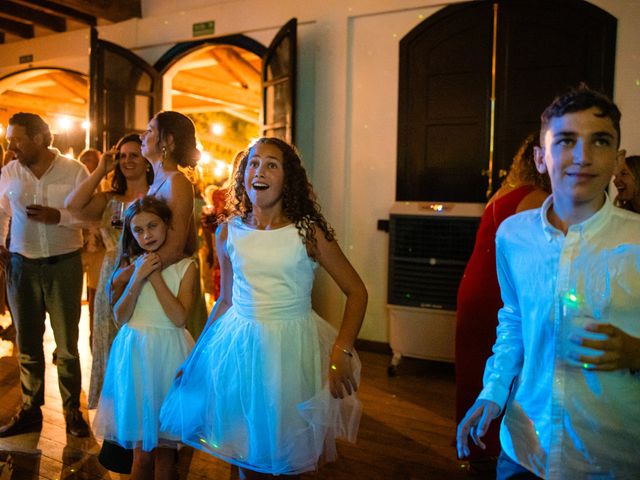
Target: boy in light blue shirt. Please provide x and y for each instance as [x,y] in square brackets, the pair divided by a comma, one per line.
[568,341]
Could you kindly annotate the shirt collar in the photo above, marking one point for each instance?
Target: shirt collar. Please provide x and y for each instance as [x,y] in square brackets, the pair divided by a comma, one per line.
[53,150]
[587,228]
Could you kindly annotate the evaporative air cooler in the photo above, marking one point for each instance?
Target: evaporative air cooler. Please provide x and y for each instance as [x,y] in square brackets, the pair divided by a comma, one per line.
[429,246]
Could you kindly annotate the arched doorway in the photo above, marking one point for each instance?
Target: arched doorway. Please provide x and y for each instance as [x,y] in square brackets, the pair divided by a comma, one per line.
[60,96]
[217,83]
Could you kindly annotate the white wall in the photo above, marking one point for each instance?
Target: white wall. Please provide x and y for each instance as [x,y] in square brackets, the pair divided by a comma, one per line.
[371,118]
[64,50]
[347,103]
[348,106]
[627,79]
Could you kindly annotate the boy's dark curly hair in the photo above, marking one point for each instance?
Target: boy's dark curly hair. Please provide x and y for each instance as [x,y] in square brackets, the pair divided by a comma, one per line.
[579,99]
[298,198]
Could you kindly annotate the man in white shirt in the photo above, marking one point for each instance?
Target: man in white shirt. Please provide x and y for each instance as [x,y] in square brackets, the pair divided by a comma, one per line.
[44,267]
[568,342]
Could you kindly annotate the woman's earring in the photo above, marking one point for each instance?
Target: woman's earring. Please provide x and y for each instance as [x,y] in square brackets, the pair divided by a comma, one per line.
[164,152]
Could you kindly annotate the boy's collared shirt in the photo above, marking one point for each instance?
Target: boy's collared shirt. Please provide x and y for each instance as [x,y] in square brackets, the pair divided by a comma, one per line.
[563,421]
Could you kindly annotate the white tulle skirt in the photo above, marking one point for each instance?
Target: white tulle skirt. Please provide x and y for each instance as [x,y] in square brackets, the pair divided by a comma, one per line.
[141,368]
[255,393]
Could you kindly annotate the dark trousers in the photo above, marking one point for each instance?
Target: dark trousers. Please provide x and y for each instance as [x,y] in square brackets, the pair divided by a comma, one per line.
[35,287]
[507,469]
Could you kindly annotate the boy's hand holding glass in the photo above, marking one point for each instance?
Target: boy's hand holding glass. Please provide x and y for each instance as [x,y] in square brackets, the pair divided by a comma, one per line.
[615,349]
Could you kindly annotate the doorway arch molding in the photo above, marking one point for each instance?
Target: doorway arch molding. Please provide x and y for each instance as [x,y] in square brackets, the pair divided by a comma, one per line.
[181,50]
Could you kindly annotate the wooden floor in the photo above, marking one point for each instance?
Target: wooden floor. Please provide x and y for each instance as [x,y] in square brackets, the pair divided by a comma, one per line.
[406,432]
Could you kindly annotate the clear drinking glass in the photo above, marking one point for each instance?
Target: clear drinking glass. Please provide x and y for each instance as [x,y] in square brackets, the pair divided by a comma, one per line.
[117,214]
[577,316]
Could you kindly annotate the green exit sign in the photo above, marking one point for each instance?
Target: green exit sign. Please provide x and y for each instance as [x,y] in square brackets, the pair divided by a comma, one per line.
[26,59]
[203,28]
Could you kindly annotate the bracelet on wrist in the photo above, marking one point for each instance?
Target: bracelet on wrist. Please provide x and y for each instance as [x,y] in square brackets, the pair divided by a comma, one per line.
[344,350]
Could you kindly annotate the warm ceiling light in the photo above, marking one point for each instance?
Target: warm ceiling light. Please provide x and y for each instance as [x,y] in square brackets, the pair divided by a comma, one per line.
[217,129]
[205,158]
[64,123]
[220,171]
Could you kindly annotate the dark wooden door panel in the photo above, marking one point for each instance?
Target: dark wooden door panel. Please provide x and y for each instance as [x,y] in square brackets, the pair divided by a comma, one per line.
[444,108]
[544,48]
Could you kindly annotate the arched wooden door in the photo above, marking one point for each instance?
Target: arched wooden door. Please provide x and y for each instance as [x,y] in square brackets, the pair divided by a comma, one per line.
[474,78]
[125,93]
[279,84]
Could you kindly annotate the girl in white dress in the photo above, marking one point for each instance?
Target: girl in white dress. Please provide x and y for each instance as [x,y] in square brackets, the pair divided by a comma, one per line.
[150,345]
[270,384]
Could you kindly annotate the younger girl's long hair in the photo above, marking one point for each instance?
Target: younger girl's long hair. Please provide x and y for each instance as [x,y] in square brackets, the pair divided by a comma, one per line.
[149,204]
[298,198]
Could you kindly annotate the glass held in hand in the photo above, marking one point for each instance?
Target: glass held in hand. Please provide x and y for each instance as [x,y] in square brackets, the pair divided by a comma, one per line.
[117,214]
[575,332]
[33,202]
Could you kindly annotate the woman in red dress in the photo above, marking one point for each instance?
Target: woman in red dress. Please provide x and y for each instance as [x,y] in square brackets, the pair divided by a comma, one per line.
[479,294]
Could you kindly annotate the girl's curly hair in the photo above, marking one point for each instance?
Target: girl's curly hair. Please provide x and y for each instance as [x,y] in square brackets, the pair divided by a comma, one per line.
[298,198]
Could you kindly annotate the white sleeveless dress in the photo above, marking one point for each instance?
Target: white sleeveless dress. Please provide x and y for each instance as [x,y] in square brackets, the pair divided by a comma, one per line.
[254,391]
[141,368]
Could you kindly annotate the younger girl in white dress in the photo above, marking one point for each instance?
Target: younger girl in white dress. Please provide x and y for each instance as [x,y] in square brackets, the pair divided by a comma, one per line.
[270,384]
[150,345]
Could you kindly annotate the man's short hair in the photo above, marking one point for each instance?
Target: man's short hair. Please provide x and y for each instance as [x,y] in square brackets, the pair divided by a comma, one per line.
[33,124]
[579,99]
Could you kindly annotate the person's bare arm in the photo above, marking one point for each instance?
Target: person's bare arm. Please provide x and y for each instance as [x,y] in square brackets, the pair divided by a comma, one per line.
[224,301]
[118,281]
[176,307]
[332,259]
[85,202]
[532,200]
[145,265]
[180,201]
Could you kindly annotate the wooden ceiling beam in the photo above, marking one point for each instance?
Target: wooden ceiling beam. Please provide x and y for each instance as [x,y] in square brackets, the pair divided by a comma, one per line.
[204,87]
[29,102]
[23,30]
[244,68]
[60,8]
[111,10]
[38,17]
[195,104]
[228,68]
[205,103]
[72,84]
